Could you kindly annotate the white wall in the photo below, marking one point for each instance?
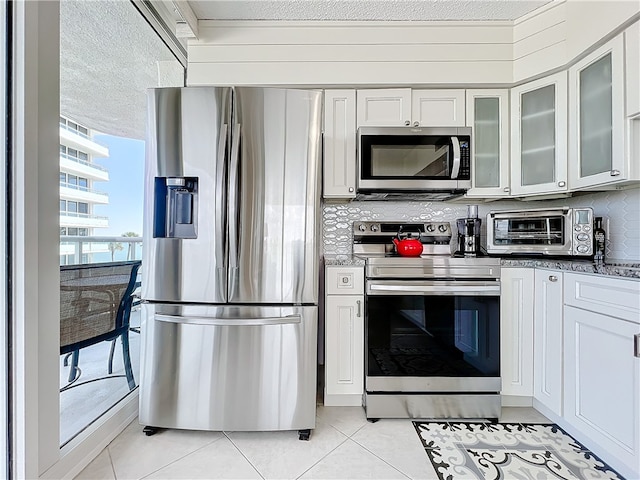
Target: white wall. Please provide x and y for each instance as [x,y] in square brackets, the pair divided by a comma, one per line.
[402,53]
[350,53]
[35,238]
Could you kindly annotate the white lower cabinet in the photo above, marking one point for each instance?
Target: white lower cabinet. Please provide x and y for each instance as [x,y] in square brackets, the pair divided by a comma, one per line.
[602,368]
[516,334]
[547,342]
[344,336]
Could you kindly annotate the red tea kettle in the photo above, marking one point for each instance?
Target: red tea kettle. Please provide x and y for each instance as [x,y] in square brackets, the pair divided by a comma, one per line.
[408,246]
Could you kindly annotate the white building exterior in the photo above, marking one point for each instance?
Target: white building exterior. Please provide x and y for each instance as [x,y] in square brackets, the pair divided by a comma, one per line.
[78,193]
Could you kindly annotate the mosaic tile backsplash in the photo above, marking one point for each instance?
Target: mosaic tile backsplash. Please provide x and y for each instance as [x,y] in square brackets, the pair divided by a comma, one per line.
[620,211]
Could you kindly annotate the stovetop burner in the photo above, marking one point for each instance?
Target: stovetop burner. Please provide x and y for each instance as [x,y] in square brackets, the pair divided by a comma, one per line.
[377,237]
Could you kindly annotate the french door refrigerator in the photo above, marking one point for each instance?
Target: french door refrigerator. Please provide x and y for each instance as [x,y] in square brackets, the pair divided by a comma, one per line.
[231,259]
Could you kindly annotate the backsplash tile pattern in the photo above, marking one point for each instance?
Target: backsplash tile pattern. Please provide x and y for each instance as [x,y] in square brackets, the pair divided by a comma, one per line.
[620,209]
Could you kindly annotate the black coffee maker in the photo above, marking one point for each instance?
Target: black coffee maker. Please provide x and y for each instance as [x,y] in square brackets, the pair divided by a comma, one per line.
[469,233]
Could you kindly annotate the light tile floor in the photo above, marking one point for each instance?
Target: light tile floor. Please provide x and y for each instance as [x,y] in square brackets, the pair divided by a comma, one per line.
[342,446]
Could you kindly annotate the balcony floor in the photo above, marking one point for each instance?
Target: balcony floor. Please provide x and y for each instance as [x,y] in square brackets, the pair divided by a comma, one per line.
[76,411]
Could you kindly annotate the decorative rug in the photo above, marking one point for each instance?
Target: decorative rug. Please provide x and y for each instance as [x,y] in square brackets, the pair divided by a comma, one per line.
[484,450]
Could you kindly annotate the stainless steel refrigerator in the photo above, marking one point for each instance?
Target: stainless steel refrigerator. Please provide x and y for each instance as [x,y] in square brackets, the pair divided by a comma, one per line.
[231,259]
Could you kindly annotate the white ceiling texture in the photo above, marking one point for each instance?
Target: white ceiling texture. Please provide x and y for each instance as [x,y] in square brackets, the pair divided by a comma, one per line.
[373,10]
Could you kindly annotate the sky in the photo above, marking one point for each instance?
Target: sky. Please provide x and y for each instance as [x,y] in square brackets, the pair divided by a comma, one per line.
[125,186]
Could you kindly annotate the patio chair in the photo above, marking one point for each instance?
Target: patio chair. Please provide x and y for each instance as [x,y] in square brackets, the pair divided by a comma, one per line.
[95,306]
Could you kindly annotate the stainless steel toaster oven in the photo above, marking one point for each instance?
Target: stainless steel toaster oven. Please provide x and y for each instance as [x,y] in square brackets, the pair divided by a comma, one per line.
[560,231]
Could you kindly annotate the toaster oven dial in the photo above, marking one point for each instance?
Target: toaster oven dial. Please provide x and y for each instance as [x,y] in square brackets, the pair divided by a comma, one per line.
[582,237]
[582,249]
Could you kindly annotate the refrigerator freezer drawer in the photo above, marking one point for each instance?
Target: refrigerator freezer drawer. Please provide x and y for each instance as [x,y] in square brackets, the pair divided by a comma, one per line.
[237,368]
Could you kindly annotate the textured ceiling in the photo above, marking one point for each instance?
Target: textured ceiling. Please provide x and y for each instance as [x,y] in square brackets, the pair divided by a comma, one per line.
[416,10]
[109,57]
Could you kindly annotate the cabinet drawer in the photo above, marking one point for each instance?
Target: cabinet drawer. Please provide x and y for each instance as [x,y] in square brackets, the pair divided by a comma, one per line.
[344,280]
[616,297]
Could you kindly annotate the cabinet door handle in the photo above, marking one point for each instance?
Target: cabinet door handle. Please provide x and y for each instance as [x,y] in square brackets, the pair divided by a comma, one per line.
[615,173]
[561,183]
[416,124]
[359,312]
[553,278]
[507,189]
[350,189]
[636,345]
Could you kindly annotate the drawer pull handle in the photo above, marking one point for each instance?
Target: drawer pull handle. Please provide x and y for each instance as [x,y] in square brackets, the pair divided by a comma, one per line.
[359,312]
[636,345]
[553,278]
[615,173]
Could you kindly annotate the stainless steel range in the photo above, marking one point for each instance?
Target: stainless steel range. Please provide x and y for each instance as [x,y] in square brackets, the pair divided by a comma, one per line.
[432,326]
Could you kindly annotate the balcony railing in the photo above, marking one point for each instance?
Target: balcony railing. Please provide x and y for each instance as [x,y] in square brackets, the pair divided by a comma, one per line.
[75,250]
[83,162]
[73,130]
[83,188]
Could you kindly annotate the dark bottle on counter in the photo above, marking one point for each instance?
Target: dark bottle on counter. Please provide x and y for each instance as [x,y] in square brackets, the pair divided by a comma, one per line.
[599,238]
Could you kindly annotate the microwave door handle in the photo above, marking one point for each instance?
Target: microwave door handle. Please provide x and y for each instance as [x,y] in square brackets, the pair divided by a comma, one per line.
[456,158]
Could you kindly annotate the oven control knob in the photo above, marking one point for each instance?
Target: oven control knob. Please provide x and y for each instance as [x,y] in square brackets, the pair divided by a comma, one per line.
[577,228]
[362,227]
[442,228]
[375,228]
[582,237]
[430,228]
[583,248]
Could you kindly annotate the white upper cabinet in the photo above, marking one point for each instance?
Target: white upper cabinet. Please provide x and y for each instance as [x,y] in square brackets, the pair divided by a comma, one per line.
[339,156]
[438,108]
[632,69]
[539,136]
[384,108]
[399,107]
[597,118]
[488,117]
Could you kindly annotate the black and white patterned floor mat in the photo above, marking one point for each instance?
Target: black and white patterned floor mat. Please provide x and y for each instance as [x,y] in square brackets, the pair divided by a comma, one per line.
[460,450]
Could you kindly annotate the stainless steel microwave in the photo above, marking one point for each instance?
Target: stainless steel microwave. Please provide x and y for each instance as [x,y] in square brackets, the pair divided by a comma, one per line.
[414,159]
[561,231]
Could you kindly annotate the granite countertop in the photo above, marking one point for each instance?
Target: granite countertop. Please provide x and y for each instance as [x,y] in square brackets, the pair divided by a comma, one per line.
[344,260]
[612,268]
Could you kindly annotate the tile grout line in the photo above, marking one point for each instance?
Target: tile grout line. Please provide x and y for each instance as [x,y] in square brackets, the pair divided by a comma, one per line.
[182,457]
[113,468]
[381,459]
[346,438]
[243,455]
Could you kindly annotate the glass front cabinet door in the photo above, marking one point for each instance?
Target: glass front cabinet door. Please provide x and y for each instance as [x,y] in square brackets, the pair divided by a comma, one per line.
[539,136]
[488,116]
[596,117]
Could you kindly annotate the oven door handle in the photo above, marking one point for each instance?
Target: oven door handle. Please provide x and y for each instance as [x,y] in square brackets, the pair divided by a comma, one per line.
[459,288]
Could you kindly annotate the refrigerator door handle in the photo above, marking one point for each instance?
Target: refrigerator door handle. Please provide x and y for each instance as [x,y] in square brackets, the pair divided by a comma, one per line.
[219,221]
[233,322]
[232,199]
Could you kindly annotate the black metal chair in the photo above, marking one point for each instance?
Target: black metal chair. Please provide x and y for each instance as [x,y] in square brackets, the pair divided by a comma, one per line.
[95,306]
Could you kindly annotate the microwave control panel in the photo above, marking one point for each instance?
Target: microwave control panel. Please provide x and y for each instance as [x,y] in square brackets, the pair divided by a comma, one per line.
[465,160]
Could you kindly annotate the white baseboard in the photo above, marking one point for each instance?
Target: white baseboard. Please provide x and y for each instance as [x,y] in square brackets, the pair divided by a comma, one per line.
[516,401]
[83,449]
[346,400]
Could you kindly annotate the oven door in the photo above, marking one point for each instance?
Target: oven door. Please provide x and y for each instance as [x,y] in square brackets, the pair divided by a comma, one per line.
[432,336]
[396,159]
